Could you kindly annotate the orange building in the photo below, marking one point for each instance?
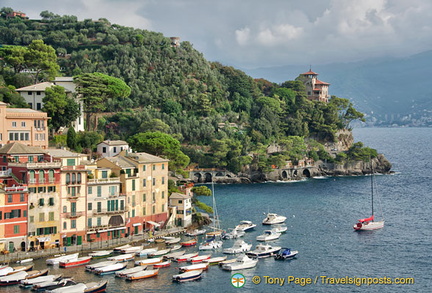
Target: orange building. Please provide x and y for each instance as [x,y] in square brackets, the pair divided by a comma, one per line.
[26,126]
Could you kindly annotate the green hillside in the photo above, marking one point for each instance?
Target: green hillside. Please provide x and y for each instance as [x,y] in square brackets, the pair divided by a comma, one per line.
[219,115]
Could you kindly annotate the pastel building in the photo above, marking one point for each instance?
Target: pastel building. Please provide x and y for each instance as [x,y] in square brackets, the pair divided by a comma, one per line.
[144,180]
[111,148]
[316,89]
[26,126]
[34,94]
[181,206]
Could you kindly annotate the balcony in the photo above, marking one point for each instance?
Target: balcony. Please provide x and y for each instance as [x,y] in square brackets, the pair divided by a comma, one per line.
[104,180]
[117,195]
[50,165]
[73,197]
[73,215]
[106,212]
[72,168]
[6,173]
[16,189]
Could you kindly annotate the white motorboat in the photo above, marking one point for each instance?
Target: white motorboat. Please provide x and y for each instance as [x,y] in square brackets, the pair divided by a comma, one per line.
[280,229]
[199,258]
[92,287]
[273,218]
[172,240]
[149,261]
[58,259]
[142,275]
[233,234]
[286,253]
[176,247]
[245,226]
[263,250]
[242,262]
[215,260]
[238,247]
[159,253]
[268,235]
[132,270]
[146,252]
[119,248]
[4,270]
[110,269]
[211,244]
[188,276]
[173,255]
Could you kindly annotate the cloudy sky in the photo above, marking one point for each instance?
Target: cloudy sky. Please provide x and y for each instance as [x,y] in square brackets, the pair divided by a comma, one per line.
[257,33]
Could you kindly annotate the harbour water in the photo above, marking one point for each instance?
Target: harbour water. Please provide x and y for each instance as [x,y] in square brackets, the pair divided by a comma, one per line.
[320,215]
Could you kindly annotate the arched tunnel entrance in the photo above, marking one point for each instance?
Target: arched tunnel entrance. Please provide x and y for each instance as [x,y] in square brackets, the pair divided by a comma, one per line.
[306,173]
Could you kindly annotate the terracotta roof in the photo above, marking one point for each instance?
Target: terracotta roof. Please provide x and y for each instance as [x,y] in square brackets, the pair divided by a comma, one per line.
[18,148]
[321,82]
[309,73]
[146,158]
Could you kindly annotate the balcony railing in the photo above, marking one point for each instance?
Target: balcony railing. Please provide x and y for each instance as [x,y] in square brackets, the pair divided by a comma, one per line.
[49,165]
[6,173]
[104,180]
[73,215]
[106,212]
[16,189]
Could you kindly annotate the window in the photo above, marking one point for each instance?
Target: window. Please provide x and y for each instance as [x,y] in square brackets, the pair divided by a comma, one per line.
[163,180]
[38,106]
[41,176]
[89,206]
[163,194]
[64,225]
[73,224]
[89,222]
[154,181]
[79,178]
[144,197]
[104,150]
[104,174]
[51,216]
[180,201]
[31,219]
[30,159]
[4,159]
[41,202]
[73,178]
[99,221]
[99,207]
[133,213]
[144,168]
[14,124]
[154,210]
[99,191]
[51,176]
[133,185]
[51,188]
[64,209]
[51,201]
[90,190]
[122,207]
[23,124]
[154,196]
[163,166]
[115,150]
[70,162]
[41,217]
[154,167]
[163,208]
[144,183]
[144,211]
[29,93]
[38,93]
[16,229]
[10,198]
[112,190]
[67,178]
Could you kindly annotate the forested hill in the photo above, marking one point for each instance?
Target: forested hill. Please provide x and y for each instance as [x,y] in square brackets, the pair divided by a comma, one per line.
[221,116]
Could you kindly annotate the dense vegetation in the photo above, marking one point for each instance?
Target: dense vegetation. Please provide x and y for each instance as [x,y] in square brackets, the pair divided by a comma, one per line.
[219,116]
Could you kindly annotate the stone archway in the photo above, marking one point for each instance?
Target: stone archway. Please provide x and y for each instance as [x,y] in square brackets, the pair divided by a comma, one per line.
[197,177]
[23,246]
[284,174]
[306,173]
[208,177]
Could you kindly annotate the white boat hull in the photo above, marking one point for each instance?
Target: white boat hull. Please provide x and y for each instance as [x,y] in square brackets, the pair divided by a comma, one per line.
[369,226]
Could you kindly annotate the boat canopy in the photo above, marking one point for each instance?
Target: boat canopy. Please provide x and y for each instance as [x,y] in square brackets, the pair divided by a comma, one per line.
[367,219]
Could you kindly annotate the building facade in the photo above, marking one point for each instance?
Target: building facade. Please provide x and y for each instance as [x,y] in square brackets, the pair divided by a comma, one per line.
[23,125]
[316,89]
[111,148]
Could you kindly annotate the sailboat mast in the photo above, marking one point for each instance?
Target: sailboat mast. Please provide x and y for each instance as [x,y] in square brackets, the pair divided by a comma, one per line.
[372,188]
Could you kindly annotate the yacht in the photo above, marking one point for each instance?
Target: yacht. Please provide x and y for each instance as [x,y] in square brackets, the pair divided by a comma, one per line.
[273,219]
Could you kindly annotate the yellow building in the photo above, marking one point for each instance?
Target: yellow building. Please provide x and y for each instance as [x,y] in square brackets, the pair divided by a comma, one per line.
[144,179]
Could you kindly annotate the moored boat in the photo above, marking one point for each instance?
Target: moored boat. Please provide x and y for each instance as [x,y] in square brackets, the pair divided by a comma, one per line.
[191,242]
[80,261]
[286,253]
[199,258]
[58,259]
[172,240]
[20,269]
[163,264]
[268,235]
[175,247]
[238,247]
[233,234]
[185,257]
[27,260]
[215,260]
[242,262]
[188,276]
[13,279]
[37,273]
[194,267]
[263,250]
[4,270]
[100,254]
[122,257]
[158,253]
[110,269]
[27,283]
[92,287]
[211,244]
[91,267]
[245,226]
[146,251]
[132,249]
[119,248]
[173,255]
[149,261]
[273,218]
[142,275]
[126,272]
[280,229]
[49,285]
[196,232]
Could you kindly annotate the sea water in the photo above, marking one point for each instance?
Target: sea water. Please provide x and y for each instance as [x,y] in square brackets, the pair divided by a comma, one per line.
[320,215]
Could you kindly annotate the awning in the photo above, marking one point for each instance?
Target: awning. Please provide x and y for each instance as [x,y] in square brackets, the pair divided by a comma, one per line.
[44,239]
[153,223]
[136,224]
